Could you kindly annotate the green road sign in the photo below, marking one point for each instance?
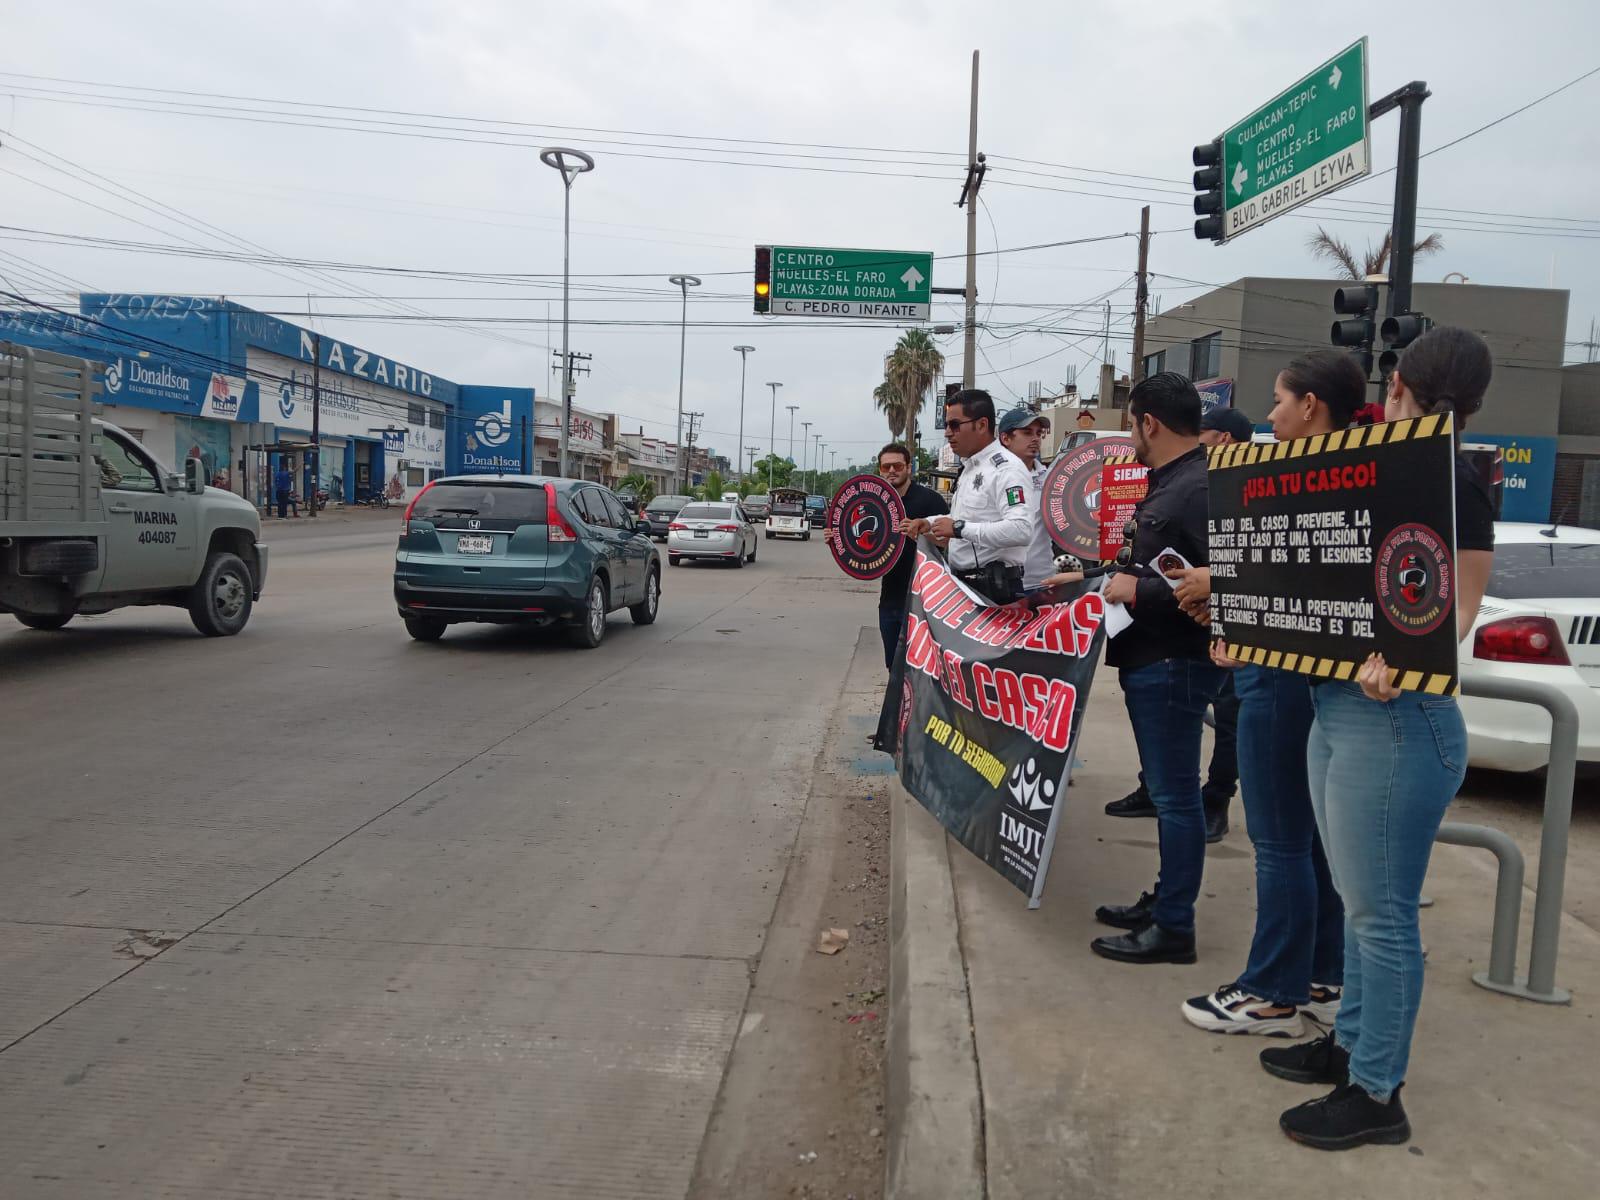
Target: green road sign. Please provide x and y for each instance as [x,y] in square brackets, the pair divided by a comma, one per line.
[1305,142]
[813,281]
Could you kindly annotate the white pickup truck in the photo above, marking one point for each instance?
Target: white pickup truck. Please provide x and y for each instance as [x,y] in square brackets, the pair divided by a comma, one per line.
[90,522]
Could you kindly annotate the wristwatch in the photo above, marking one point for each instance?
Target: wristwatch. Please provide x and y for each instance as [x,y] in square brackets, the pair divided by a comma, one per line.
[957,526]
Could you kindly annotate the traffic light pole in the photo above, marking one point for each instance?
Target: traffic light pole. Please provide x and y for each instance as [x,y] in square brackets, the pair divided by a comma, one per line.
[1402,250]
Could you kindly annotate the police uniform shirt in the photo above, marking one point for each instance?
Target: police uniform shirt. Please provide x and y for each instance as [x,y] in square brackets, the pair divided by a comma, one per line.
[995,497]
[1041,561]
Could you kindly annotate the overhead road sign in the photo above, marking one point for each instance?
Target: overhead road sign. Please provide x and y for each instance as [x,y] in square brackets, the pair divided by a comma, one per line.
[1311,139]
[818,281]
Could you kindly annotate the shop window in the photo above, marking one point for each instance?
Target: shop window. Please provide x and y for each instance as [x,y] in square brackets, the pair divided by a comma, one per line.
[436,418]
[415,477]
[1155,363]
[416,415]
[1205,357]
[435,473]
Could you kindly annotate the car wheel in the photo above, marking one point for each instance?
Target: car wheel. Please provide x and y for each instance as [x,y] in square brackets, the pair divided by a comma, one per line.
[644,612]
[45,620]
[738,559]
[220,603]
[425,629]
[672,560]
[805,537]
[590,630]
[753,545]
[769,537]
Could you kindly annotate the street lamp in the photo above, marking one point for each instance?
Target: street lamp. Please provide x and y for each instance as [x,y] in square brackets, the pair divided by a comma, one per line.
[557,157]
[805,450]
[683,283]
[791,408]
[817,461]
[772,433]
[744,351]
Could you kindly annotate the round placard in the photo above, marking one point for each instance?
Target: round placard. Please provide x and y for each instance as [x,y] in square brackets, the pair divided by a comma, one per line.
[861,527]
[1069,501]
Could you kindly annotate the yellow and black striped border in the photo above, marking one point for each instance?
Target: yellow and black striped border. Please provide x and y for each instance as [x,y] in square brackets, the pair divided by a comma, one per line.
[1117,460]
[1381,433]
[1339,668]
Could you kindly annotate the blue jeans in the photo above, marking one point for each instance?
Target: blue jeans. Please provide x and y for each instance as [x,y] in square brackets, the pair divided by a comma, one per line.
[890,622]
[1166,701]
[1382,776]
[1299,936]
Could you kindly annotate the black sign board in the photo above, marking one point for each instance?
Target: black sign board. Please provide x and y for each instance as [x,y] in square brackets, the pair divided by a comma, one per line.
[983,712]
[1069,500]
[1327,548]
[861,527]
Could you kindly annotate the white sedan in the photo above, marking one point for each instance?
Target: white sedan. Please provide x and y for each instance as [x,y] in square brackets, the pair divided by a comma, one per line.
[1540,620]
[712,530]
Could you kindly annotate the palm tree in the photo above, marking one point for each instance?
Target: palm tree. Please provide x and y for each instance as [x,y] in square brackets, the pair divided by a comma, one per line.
[913,366]
[712,486]
[887,397]
[639,485]
[1375,260]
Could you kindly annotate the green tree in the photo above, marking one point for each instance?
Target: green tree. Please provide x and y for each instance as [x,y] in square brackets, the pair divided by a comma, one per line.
[1373,261]
[639,485]
[892,405]
[772,471]
[712,488]
[913,366]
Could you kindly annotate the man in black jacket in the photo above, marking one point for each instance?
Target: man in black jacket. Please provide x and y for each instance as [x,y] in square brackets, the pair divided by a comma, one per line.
[1165,669]
[894,464]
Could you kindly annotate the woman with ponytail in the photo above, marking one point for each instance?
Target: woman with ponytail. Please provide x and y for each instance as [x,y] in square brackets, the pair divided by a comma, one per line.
[1384,764]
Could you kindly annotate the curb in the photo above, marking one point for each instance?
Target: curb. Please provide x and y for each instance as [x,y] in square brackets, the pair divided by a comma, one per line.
[935,1107]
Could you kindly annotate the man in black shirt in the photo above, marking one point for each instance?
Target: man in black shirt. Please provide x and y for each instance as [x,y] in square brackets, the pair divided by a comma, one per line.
[894,464]
[1165,669]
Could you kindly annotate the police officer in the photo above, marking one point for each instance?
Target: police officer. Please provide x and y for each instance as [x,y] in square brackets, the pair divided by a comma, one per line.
[991,519]
[1022,432]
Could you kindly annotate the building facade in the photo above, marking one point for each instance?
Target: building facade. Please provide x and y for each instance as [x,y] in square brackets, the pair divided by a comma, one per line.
[1232,341]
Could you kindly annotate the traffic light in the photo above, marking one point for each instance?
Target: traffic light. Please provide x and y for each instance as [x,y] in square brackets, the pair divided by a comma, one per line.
[1208,182]
[1360,305]
[1398,332]
[763,279]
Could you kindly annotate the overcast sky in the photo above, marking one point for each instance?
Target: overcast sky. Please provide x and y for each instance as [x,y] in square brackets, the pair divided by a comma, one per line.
[1091,93]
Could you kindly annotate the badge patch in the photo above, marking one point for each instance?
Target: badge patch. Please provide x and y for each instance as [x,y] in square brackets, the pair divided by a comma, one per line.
[997,459]
[1013,495]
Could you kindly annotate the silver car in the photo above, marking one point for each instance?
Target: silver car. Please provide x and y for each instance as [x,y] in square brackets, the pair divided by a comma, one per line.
[711,530]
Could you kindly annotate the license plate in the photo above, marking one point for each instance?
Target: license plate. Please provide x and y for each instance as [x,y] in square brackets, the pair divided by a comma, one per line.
[474,544]
[701,533]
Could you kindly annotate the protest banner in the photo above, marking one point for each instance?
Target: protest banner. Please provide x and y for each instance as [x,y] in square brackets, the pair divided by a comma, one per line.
[861,527]
[1327,548]
[983,714]
[1123,484]
[1069,498]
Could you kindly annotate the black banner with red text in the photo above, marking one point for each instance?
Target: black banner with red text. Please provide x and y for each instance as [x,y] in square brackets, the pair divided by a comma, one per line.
[983,712]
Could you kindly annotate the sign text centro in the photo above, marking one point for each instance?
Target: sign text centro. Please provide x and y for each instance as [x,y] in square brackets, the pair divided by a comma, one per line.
[1305,142]
[814,281]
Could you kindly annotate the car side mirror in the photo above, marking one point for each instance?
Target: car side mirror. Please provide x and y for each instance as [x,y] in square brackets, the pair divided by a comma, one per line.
[194,476]
[642,525]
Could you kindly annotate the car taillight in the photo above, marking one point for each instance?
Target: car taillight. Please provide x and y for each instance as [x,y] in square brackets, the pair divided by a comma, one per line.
[727,529]
[557,529]
[413,504]
[677,525]
[1521,639]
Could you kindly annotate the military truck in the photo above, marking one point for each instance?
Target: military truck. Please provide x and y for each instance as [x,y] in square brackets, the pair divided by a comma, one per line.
[91,522]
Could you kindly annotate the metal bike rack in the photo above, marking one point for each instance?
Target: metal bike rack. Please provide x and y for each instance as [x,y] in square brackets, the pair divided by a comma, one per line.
[1540,982]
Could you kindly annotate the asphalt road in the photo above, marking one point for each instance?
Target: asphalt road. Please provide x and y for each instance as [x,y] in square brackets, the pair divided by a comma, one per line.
[319,911]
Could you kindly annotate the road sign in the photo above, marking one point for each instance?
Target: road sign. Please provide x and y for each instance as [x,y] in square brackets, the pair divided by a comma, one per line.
[1305,142]
[814,281]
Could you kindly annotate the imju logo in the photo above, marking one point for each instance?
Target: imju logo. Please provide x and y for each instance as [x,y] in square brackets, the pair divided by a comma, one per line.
[1029,790]
[114,377]
[494,428]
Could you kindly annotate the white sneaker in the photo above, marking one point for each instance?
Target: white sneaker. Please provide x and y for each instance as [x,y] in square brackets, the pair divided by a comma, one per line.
[1323,1006]
[1231,1009]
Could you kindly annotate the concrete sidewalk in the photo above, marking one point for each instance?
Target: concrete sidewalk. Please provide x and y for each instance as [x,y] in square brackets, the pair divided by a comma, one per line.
[1088,1082]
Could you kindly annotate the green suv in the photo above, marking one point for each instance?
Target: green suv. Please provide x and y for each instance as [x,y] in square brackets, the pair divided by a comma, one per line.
[516,549]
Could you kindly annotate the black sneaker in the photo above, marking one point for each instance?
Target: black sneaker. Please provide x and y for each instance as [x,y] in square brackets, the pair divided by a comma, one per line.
[1127,916]
[1346,1118]
[1319,1061]
[1136,803]
[1216,826]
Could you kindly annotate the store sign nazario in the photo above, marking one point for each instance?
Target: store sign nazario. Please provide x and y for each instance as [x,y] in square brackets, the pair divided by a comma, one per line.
[348,407]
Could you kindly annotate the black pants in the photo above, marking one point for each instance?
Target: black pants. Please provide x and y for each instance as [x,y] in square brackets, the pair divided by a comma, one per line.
[890,622]
[283,505]
[1222,777]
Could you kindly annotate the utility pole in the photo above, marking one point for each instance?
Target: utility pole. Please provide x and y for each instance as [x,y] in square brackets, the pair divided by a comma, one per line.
[750,451]
[817,461]
[805,448]
[1141,296]
[969,197]
[316,420]
[833,455]
[744,351]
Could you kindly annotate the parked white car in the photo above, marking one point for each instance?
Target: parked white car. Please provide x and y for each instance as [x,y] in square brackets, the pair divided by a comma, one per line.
[1540,620]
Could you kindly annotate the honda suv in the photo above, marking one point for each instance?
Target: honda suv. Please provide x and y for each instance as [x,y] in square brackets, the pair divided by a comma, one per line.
[509,549]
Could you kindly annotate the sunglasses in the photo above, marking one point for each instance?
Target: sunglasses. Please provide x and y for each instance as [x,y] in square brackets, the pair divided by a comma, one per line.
[954,424]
